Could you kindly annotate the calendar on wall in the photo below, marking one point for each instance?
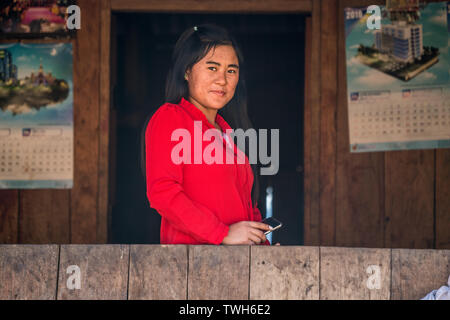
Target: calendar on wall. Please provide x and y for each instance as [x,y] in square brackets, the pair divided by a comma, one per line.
[36,116]
[398,78]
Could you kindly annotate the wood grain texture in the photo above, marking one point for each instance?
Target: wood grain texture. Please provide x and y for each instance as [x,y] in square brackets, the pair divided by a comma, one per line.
[84,199]
[28,272]
[312,236]
[365,3]
[103,270]
[9,216]
[213,6]
[284,273]
[409,189]
[361,3]
[104,218]
[44,216]
[328,106]
[344,273]
[415,273]
[442,199]
[359,176]
[218,272]
[158,272]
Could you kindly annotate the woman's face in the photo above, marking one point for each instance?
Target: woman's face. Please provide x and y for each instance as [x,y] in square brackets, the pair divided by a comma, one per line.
[217,71]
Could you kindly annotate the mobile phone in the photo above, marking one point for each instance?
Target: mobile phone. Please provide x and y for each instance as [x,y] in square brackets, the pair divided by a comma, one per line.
[273,223]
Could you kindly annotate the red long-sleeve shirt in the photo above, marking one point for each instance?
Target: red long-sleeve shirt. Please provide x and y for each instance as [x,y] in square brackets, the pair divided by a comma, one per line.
[197,202]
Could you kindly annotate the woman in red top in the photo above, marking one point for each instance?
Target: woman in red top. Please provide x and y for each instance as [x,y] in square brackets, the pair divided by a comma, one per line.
[202,202]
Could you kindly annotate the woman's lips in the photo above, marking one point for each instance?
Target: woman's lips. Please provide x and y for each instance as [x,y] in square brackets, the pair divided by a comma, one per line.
[219,93]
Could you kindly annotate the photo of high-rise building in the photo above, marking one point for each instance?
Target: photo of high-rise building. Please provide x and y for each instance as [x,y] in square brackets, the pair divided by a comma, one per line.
[404,42]
[398,45]
[8,71]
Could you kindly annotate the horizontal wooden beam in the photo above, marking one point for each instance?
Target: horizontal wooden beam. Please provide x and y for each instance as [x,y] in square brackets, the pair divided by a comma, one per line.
[120,272]
[213,6]
[366,3]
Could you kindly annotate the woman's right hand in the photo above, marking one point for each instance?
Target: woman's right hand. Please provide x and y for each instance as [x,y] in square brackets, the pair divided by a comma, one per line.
[246,232]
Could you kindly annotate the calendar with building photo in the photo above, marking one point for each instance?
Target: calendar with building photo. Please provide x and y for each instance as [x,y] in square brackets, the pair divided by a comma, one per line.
[36,116]
[398,77]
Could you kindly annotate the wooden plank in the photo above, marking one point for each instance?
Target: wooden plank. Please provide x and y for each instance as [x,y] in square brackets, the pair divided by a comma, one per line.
[218,272]
[44,216]
[328,106]
[230,6]
[28,272]
[9,216]
[158,272]
[103,270]
[104,219]
[359,176]
[409,199]
[312,236]
[415,273]
[366,3]
[362,3]
[84,199]
[360,198]
[284,273]
[345,273]
[442,178]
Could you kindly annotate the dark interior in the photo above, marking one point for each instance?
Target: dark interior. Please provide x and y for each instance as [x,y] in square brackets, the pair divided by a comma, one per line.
[273,46]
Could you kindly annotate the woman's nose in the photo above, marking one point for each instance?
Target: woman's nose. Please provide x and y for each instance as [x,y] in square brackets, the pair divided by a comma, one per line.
[221,78]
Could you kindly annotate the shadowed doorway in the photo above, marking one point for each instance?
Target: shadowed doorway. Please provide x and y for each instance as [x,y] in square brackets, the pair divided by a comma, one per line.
[273,48]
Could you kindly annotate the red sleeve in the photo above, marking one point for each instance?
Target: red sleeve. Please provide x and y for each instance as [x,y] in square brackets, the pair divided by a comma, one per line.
[165,181]
[257,217]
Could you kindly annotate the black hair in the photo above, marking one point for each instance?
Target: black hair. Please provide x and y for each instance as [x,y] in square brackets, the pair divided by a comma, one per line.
[191,47]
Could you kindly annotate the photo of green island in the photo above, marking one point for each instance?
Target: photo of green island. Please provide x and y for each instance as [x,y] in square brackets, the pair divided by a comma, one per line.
[35,81]
[35,92]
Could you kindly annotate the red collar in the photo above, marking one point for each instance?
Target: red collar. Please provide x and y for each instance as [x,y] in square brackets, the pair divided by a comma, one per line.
[197,114]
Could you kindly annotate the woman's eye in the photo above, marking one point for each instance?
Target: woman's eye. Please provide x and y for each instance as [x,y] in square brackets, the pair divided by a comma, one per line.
[232,71]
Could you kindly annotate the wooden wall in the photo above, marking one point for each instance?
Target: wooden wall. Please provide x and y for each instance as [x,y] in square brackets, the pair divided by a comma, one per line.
[397,199]
[135,272]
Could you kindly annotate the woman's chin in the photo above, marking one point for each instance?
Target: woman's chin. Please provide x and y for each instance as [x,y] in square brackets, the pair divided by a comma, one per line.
[216,104]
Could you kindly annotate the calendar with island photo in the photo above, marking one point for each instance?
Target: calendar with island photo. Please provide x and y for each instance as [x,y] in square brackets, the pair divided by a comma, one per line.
[398,88]
[36,116]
